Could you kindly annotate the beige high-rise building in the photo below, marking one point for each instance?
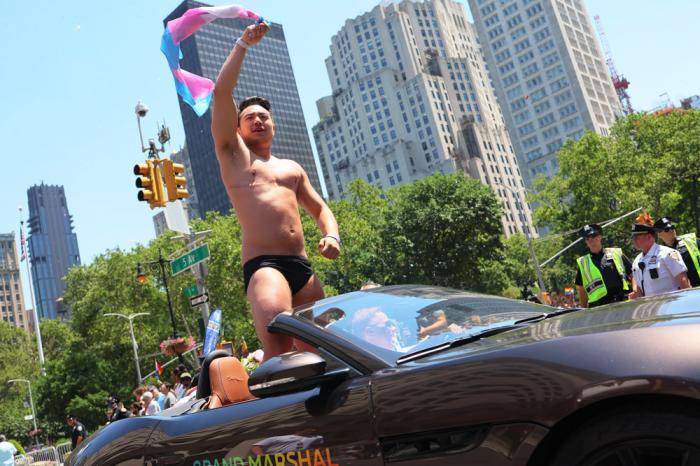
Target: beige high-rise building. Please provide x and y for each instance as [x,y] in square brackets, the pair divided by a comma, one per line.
[12,307]
[412,97]
[549,73]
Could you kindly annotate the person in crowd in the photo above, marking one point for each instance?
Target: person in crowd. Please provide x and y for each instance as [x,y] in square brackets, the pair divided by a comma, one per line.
[175,376]
[150,406]
[7,452]
[687,245]
[188,383]
[118,410]
[657,269]
[78,432]
[158,397]
[604,274]
[136,409]
[166,388]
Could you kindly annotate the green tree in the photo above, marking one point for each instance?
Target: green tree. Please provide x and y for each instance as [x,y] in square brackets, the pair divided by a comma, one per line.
[18,360]
[648,161]
[360,217]
[445,230]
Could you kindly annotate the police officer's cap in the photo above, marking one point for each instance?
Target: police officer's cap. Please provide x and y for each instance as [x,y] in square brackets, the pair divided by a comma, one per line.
[590,230]
[663,223]
[643,224]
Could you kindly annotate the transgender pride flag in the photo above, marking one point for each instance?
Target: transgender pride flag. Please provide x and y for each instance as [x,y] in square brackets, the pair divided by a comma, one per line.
[195,90]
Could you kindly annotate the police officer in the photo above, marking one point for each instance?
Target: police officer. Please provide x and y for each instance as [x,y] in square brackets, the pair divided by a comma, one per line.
[77,433]
[657,269]
[118,410]
[687,245]
[603,275]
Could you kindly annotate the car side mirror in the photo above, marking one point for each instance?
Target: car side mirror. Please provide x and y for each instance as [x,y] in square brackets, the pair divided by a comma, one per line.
[292,372]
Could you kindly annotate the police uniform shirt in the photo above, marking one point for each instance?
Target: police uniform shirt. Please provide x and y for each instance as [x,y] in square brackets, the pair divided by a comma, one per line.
[661,266]
[77,431]
[692,272]
[611,278]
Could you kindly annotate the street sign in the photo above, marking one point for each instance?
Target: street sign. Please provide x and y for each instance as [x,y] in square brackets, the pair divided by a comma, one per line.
[201,299]
[28,417]
[191,291]
[192,258]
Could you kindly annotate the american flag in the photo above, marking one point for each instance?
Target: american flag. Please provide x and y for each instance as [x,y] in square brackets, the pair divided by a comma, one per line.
[22,245]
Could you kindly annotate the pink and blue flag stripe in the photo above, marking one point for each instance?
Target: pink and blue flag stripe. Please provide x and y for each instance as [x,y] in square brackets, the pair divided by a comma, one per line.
[195,90]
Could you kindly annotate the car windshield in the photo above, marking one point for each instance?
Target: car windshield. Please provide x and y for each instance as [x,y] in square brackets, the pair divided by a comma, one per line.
[403,320]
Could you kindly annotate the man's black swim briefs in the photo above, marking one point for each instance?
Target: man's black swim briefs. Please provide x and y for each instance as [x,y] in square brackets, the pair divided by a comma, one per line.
[295,269]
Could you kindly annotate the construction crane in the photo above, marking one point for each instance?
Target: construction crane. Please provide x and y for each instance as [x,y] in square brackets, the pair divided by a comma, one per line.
[619,82]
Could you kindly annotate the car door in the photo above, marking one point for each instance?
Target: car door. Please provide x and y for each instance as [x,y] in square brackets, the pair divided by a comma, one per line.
[318,427]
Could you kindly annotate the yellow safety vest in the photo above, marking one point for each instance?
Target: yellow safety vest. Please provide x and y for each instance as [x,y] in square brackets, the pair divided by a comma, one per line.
[592,279]
[691,244]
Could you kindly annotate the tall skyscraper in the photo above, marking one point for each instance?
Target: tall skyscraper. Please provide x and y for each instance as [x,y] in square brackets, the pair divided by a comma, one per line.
[267,72]
[549,73]
[411,97]
[12,308]
[53,248]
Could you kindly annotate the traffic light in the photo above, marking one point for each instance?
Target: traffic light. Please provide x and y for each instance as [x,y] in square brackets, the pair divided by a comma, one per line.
[175,182]
[151,182]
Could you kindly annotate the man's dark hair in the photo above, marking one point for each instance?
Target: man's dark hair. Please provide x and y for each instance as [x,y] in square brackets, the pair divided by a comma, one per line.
[255,100]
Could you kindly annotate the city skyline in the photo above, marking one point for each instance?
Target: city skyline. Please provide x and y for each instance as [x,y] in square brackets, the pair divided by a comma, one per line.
[77,128]
[416,75]
[550,75]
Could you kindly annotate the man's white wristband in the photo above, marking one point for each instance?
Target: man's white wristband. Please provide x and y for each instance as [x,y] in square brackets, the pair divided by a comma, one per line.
[335,238]
[242,43]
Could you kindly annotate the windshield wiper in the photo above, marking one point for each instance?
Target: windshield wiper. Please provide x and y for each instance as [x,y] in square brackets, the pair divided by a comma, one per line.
[483,334]
[461,341]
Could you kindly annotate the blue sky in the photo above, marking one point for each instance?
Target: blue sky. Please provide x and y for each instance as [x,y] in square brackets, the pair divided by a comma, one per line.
[73,72]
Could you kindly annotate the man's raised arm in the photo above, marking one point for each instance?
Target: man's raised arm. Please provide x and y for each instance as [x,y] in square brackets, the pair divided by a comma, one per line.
[224,122]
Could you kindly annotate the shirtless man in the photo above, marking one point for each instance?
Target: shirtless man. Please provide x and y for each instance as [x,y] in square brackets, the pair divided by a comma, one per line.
[266,192]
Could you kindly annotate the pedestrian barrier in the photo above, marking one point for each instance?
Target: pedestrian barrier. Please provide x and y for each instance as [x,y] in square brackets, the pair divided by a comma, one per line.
[63,449]
[47,456]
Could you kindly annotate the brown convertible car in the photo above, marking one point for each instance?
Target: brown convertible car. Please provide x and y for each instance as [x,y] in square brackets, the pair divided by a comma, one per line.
[418,375]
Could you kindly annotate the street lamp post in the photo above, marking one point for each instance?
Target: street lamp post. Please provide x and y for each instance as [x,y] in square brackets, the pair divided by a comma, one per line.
[131,318]
[141,277]
[526,230]
[31,403]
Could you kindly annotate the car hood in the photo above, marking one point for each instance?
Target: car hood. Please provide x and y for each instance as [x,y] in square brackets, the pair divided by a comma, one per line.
[678,308]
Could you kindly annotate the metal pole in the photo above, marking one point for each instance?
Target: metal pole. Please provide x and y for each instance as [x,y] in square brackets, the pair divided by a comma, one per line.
[608,223]
[161,262]
[694,201]
[35,315]
[31,404]
[535,263]
[526,229]
[199,275]
[136,351]
[134,345]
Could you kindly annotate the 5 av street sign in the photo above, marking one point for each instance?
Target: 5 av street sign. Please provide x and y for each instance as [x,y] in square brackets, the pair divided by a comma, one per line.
[201,299]
[192,258]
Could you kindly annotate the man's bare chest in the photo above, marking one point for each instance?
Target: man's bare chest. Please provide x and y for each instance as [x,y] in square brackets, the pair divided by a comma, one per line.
[265,175]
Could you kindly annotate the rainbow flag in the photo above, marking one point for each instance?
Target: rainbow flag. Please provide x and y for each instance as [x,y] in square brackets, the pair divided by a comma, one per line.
[195,90]
[159,369]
